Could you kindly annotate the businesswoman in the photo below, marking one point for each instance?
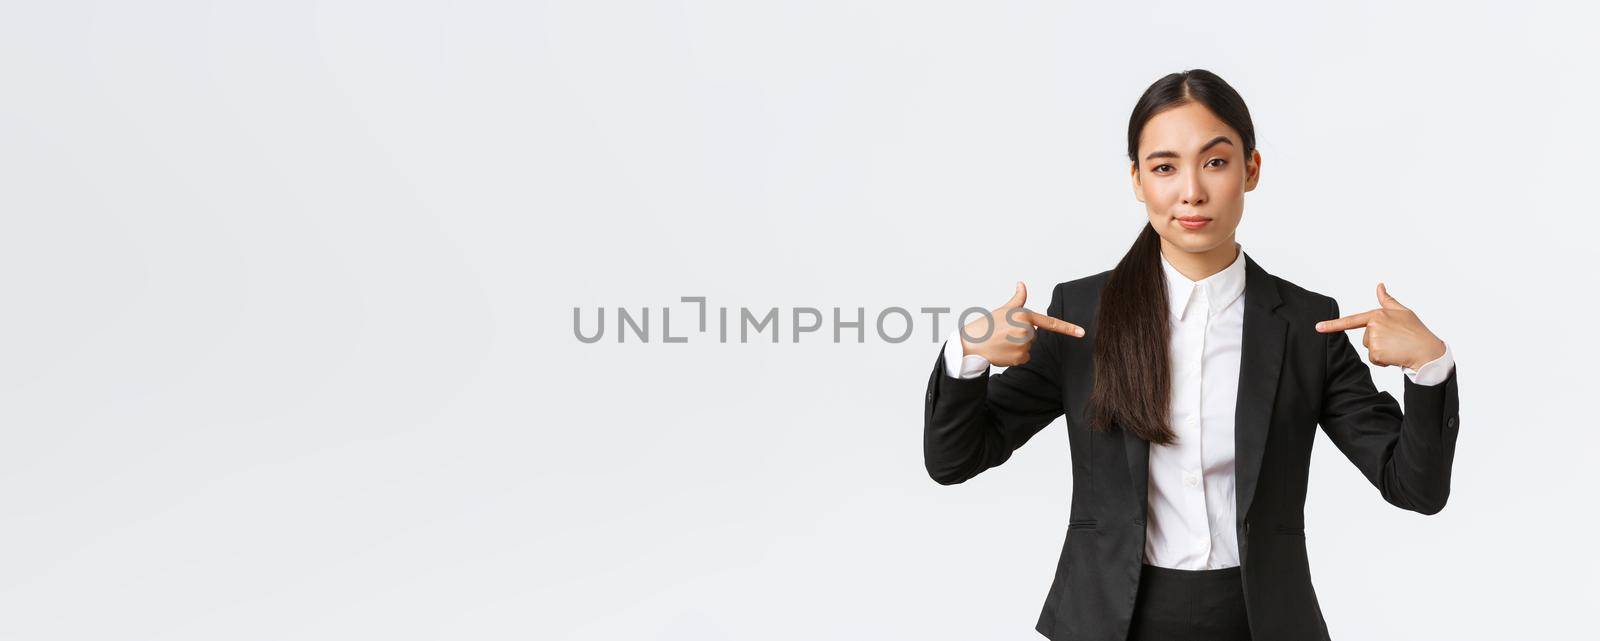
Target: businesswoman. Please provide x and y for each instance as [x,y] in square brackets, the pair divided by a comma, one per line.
[1193,382]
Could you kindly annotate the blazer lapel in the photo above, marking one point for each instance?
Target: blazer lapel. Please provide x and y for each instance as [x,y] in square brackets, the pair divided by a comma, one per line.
[1259,365]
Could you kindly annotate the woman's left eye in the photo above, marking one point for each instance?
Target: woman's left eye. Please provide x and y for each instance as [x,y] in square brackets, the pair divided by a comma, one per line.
[1220,162]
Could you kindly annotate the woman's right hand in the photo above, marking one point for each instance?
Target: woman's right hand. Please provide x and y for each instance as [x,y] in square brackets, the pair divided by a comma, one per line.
[1009,341]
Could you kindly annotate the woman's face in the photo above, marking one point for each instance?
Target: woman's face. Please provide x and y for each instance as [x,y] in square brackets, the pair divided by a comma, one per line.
[1192,165]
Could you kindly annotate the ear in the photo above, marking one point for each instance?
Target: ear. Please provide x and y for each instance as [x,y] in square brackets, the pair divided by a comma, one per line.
[1138,187]
[1252,170]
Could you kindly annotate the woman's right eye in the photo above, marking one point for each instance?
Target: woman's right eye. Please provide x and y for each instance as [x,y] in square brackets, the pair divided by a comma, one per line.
[1161,169]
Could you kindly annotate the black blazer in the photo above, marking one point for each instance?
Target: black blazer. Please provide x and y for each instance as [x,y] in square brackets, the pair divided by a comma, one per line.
[1291,378]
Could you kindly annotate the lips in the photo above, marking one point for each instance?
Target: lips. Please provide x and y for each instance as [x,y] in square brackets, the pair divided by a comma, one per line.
[1193,222]
[1192,219]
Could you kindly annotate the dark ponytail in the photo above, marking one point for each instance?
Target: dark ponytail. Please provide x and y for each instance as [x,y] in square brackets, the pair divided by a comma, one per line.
[1132,376]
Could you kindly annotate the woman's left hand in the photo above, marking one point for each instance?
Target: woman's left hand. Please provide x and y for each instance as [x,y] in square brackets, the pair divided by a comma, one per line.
[1394,336]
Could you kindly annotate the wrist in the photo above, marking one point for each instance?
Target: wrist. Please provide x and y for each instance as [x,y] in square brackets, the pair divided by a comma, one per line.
[1437,351]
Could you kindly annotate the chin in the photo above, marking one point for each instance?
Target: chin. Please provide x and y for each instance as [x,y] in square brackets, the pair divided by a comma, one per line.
[1193,242]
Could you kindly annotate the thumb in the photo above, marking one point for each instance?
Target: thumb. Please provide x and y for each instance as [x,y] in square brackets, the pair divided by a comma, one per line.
[1387,301]
[1019,298]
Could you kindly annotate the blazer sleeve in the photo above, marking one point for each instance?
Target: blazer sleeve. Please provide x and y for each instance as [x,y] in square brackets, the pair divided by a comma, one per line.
[1406,455]
[971,425]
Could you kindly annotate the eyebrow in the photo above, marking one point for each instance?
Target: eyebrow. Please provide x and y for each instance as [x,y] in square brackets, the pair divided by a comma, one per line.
[1168,154]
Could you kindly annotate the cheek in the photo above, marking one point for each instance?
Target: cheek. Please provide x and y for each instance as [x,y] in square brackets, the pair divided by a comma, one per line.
[1226,185]
[1158,193]
[1227,200]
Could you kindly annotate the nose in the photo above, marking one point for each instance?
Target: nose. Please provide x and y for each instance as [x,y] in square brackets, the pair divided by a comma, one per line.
[1194,193]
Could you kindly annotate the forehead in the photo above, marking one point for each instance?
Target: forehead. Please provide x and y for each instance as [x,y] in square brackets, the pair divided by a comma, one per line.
[1183,128]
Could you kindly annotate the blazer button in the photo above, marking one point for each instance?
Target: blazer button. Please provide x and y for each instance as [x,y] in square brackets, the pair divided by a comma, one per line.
[1451,422]
[930,397]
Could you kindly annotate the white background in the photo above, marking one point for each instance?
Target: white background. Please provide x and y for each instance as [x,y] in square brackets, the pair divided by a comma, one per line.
[288,292]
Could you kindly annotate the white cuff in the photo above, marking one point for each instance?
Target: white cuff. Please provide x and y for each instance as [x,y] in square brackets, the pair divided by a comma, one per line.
[1435,371]
[958,365]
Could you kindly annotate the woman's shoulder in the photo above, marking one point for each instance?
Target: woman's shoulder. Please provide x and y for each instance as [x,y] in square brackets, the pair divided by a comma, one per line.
[1299,298]
[1074,298]
[1091,284]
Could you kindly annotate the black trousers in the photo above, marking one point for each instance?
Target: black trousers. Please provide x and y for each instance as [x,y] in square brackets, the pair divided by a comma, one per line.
[1192,605]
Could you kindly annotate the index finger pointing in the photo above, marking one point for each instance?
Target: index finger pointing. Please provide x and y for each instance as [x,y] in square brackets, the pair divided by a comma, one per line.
[1054,324]
[1341,324]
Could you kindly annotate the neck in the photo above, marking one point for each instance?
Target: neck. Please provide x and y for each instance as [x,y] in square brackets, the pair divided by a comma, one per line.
[1198,266]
